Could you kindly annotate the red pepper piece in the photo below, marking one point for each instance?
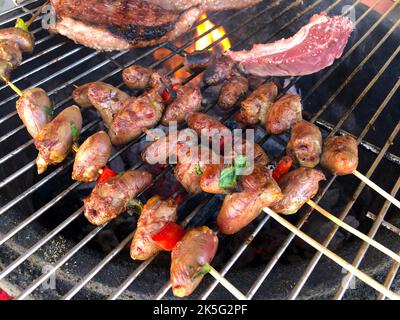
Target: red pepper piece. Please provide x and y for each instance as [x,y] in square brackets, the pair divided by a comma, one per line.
[176,87]
[5,296]
[166,96]
[168,236]
[282,167]
[106,174]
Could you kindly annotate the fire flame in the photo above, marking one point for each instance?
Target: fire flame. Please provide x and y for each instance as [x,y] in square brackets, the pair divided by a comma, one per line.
[211,37]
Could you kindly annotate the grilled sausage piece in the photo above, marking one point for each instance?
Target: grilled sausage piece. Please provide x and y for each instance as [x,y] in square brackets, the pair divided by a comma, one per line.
[187,101]
[220,70]
[305,144]
[92,156]
[80,95]
[252,151]
[54,141]
[10,52]
[34,108]
[156,213]
[191,164]
[232,91]
[111,197]
[24,39]
[241,208]
[210,178]
[207,126]
[136,77]
[298,186]
[197,247]
[199,60]
[283,113]
[340,155]
[255,106]
[5,68]
[138,114]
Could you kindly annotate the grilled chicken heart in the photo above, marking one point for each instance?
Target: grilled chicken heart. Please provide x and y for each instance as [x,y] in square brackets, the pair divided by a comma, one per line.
[156,213]
[54,141]
[91,157]
[111,197]
[197,247]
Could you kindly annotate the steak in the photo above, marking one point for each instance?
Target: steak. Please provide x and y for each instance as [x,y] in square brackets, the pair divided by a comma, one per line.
[119,24]
[314,47]
[210,5]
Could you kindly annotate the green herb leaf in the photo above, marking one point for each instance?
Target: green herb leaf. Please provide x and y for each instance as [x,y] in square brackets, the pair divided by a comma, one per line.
[241,162]
[198,169]
[48,110]
[74,132]
[206,268]
[228,178]
[21,24]
[136,204]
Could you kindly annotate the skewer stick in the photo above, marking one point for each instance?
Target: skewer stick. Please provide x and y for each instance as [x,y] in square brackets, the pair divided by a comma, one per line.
[354,231]
[37,13]
[377,188]
[343,263]
[12,86]
[231,288]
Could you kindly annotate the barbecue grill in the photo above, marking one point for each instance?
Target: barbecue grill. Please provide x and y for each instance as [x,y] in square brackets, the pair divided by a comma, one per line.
[49,251]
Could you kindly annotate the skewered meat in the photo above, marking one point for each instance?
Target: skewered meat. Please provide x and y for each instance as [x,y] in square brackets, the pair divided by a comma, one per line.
[119,25]
[5,69]
[197,247]
[298,186]
[199,60]
[92,156]
[232,91]
[191,164]
[283,114]
[107,99]
[34,108]
[24,39]
[340,155]
[305,144]
[313,48]
[137,114]
[187,101]
[220,70]
[209,5]
[156,213]
[54,141]
[206,126]
[241,208]
[10,52]
[111,197]
[251,150]
[136,77]
[255,106]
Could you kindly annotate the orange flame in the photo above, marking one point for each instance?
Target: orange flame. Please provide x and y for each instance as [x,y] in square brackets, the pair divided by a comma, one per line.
[211,37]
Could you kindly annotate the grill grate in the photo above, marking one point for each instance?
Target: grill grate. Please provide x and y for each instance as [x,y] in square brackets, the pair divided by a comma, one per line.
[57,65]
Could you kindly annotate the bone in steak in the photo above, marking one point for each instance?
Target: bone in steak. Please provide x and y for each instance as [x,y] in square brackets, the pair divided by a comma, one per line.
[119,25]
[314,47]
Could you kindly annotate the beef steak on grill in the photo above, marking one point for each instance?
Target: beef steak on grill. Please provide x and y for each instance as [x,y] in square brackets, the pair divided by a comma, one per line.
[211,5]
[119,24]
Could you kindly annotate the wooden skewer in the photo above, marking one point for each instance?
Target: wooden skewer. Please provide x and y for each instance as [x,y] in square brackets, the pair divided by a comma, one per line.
[354,231]
[377,188]
[12,86]
[37,13]
[343,263]
[232,289]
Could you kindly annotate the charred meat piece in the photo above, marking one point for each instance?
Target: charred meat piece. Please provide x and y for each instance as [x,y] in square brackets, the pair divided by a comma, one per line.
[91,157]
[305,144]
[199,60]
[24,39]
[220,70]
[54,141]
[111,197]
[156,213]
[255,106]
[241,208]
[187,101]
[107,99]
[138,114]
[340,155]
[35,110]
[10,52]
[197,247]
[232,91]
[209,5]
[283,114]
[119,25]
[136,77]
[298,186]
[191,164]
[313,48]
